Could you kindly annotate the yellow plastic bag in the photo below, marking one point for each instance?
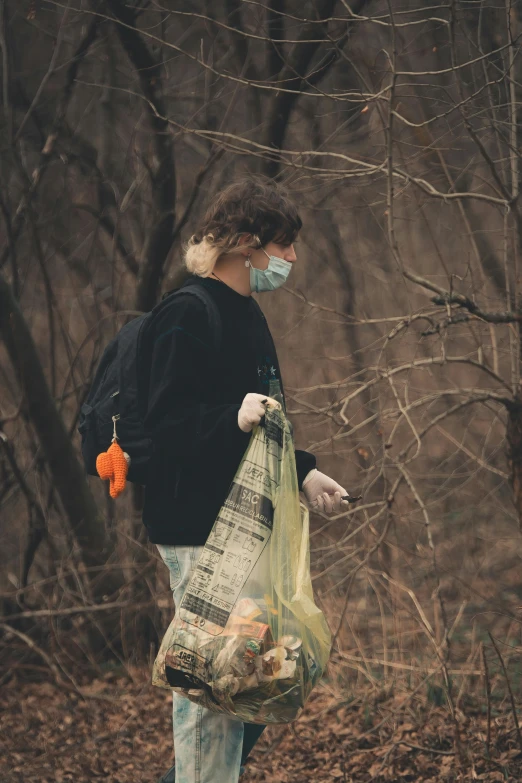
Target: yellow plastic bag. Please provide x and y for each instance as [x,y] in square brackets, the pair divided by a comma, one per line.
[247,638]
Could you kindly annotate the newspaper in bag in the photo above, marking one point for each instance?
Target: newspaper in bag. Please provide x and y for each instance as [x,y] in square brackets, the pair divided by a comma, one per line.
[247,638]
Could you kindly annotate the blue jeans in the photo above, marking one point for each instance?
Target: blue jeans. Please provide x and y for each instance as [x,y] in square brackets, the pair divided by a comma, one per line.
[208,747]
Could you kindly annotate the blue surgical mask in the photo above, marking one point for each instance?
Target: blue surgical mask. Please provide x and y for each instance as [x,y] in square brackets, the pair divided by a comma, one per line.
[274,276]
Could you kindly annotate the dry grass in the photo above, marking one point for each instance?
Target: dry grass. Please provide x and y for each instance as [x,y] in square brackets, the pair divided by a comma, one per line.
[120,731]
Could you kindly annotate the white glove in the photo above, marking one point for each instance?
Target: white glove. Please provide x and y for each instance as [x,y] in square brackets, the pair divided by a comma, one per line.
[252,410]
[323,493]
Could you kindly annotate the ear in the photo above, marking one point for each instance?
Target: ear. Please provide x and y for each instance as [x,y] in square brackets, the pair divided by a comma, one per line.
[245,244]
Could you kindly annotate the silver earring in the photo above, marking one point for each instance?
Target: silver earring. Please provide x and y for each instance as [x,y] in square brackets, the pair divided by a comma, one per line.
[247,260]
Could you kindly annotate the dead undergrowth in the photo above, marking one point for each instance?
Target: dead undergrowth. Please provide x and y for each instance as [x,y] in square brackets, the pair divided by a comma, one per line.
[118,729]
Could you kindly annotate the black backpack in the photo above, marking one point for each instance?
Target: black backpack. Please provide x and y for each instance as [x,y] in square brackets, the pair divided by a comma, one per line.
[120,386]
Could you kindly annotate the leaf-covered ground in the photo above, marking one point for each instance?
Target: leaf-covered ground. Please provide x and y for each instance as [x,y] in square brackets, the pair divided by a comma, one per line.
[120,731]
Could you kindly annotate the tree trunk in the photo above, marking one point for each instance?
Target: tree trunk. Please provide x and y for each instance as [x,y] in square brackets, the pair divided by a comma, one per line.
[514,439]
[68,475]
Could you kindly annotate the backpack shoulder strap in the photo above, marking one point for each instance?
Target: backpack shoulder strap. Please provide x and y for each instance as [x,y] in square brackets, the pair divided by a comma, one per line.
[168,299]
[214,317]
[198,291]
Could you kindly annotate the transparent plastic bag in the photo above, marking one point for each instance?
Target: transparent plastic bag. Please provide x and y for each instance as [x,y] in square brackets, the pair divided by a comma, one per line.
[247,638]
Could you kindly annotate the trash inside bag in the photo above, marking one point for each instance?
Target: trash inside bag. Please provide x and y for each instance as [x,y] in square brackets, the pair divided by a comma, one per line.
[247,639]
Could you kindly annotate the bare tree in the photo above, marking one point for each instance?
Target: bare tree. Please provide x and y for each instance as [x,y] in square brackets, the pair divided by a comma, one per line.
[397,131]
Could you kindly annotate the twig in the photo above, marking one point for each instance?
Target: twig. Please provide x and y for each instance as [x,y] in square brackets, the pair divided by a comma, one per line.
[37,522]
[81,609]
[445,297]
[508,684]
[427,750]
[50,141]
[33,646]
[488,697]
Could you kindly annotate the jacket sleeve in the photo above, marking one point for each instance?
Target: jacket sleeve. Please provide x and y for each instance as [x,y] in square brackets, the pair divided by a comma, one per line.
[304,462]
[180,361]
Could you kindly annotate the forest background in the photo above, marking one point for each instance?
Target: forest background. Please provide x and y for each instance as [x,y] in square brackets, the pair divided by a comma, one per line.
[395,125]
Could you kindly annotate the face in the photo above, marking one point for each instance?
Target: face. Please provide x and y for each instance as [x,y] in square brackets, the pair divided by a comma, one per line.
[286,252]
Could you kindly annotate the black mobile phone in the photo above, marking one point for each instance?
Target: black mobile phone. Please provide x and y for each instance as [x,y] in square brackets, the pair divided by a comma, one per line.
[351,499]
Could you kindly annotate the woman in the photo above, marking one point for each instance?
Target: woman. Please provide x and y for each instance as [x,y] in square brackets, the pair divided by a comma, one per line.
[205,396]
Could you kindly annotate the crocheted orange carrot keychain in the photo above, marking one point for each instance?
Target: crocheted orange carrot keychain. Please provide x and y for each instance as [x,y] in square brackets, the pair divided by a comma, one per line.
[113,465]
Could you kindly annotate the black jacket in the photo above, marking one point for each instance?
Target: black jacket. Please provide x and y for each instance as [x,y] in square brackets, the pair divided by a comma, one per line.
[191,411]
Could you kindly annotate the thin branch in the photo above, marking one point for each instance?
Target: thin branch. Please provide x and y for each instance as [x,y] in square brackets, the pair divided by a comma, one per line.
[108,607]
[163,179]
[52,137]
[444,297]
[508,684]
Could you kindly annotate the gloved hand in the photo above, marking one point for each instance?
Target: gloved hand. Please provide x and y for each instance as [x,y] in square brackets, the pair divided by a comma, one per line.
[323,493]
[252,410]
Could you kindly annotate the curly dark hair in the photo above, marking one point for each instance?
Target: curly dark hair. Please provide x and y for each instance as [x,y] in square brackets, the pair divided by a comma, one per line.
[253,205]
